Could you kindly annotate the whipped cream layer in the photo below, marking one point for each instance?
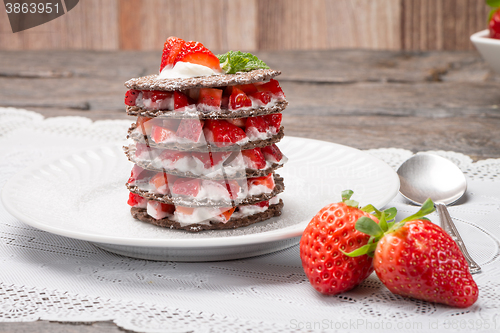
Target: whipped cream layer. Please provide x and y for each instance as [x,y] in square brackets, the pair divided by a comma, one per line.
[185,70]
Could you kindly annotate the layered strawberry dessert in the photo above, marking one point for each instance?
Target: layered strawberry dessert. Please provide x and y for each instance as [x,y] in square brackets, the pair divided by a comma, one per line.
[204,140]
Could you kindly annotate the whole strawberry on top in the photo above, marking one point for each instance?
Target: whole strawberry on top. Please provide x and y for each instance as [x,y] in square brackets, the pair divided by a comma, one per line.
[494,18]
[329,233]
[416,258]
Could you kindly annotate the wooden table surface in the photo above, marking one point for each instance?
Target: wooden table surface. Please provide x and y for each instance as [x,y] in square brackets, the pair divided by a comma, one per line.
[364,99]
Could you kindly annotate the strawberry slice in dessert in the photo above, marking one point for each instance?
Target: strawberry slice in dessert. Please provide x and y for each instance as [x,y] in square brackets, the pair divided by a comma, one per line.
[247,88]
[254,159]
[139,175]
[233,187]
[164,134]
[238,100]
[186,187]
[157,100]
[197,53]
[226,213]
[191,130]
[171,49]
[274,121]
[260,185]
[160,183]
[159,210]
[210,159]
[181,101]
[144,124]
[209,99]
[273,87]
[261,98]
[273,154]
[136,200]
[131,96]
[256,128]
[222,133]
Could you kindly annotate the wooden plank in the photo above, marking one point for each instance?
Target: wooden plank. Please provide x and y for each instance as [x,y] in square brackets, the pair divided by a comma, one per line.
[323,24]
[219,25]
[441,24]
[92,24]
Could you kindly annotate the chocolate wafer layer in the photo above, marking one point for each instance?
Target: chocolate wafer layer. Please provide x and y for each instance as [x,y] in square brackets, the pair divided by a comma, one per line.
[219,114]
[205,147]
[186,201]
[151,82]
[233,223]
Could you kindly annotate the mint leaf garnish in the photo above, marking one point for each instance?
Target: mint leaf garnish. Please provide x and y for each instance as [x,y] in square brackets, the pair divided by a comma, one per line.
[237,61]
[493,3]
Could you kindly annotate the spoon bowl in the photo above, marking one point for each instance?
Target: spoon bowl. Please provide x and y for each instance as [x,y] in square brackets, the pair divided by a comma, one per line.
[431,176]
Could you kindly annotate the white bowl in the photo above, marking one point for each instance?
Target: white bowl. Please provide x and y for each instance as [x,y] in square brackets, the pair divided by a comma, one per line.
[488,47]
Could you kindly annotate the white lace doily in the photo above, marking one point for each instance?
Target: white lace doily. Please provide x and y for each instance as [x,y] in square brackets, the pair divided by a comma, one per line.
[50,277]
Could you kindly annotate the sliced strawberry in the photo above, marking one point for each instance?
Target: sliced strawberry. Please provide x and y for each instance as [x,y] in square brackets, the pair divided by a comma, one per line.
[209,99]
[197,53]
[138,174]
[171,124]
[267,181]
[254,159]
[180,100]
[247,88]
[159,210]
[263,204]
[233,188]
[135,200]
[263,97]
[184,210]
[273,87]
[272,153]
[141,148]
[254,126]
[131,96]
[211,159]
[190,129]
[274,121]
[160,134]
[172,156]
[222,134]
[160,182]
[144,125]
[187,186]
[240,122]
[156,95]
[171,49]
[239,99]
[226,213]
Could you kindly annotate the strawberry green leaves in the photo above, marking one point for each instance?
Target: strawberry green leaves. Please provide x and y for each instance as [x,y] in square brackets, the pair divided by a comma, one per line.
[378,230]
[495,4]
[237,61]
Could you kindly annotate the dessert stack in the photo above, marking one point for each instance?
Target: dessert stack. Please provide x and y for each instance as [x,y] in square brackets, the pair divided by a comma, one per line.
[204,140]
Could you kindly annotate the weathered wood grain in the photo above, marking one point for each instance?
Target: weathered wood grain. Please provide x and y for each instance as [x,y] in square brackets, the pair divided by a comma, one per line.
[441,24]
[327,24]
[92,24]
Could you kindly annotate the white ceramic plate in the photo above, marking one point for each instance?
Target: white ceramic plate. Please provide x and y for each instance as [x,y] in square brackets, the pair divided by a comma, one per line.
[83,196]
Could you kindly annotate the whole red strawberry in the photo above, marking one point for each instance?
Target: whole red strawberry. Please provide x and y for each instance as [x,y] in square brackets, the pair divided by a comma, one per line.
[329,233]
[416,258]
[494,24]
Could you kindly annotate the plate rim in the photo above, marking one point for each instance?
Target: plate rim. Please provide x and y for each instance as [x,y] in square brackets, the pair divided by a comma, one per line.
[180,243]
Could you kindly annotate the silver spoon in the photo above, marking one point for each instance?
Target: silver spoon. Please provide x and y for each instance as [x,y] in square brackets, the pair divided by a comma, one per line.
[431,176]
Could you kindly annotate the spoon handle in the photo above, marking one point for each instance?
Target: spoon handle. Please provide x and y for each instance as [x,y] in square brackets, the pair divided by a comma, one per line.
[451,229]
